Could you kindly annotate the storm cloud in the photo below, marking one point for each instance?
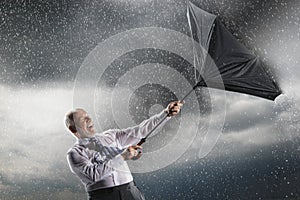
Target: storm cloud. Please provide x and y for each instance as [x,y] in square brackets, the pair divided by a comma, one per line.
[43,45]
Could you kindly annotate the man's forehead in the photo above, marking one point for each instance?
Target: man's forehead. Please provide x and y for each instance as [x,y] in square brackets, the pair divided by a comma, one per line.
[80,112]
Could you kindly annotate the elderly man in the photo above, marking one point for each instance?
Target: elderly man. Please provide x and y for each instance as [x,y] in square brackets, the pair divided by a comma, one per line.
[99,159]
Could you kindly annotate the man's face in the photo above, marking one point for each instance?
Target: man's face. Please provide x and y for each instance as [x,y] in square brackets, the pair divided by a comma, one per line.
[84,124]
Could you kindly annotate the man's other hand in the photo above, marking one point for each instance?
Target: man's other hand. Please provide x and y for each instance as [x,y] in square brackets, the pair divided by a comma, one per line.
[132,153]
[173,108]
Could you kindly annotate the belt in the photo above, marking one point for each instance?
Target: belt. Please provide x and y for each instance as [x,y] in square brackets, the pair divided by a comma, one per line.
[111,189]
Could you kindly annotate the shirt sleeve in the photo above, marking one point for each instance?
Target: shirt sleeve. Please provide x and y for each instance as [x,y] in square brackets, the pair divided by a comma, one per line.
[103,153]
[89,170]
[131,136]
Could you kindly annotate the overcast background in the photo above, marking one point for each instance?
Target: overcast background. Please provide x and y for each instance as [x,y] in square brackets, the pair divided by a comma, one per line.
[43,44]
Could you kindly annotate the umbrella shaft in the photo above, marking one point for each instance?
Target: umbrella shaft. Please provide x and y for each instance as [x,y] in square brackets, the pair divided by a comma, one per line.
[161,121]
[187,94]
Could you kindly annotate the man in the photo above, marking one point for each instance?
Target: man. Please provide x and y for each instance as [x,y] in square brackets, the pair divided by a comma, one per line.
[99,159]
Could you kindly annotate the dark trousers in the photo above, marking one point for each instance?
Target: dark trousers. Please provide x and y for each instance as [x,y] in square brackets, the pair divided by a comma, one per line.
[127,191]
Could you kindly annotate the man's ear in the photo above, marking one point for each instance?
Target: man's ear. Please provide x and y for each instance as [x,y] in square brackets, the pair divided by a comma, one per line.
[77,134]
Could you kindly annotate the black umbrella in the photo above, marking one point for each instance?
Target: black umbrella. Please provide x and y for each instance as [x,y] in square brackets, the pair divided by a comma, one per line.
[222,62]
[240,70]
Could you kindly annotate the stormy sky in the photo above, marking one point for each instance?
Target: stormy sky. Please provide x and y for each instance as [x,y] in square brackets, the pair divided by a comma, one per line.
[44,48]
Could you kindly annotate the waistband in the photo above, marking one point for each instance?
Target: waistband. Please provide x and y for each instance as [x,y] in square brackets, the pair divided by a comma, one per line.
[107,182]
[111,189]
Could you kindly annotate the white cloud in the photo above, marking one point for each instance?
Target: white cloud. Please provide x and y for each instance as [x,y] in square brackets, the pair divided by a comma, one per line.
[33,136]
[34,139]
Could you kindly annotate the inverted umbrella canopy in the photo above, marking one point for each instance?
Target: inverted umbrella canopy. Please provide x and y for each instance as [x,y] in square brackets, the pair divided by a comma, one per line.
[220,55]
[240,70]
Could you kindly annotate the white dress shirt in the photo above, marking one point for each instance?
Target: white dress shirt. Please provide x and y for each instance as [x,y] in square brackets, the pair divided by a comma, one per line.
[97,160]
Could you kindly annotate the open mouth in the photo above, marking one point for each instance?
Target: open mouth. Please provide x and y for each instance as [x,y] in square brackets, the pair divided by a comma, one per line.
[91,126]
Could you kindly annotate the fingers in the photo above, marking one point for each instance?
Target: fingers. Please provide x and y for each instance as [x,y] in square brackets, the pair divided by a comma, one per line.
[136,147]
[138,152]
[178,103]
[134,151]
[174,108]
[137,156]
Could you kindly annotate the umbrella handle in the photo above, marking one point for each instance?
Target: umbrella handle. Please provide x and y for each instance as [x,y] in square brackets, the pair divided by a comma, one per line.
[142,142]
[139,150]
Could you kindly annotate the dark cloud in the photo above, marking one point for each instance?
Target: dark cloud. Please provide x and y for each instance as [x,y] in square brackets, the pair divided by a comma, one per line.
[44,43]
[48,40]
[263,173]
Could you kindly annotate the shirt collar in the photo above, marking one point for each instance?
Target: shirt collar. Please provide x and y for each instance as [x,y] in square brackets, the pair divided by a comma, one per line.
[83,141]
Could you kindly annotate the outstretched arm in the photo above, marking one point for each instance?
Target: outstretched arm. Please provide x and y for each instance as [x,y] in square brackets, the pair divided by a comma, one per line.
[133,135]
